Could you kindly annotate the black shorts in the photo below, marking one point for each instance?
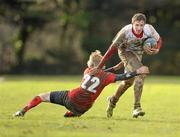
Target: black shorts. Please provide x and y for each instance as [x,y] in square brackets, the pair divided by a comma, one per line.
[61,98]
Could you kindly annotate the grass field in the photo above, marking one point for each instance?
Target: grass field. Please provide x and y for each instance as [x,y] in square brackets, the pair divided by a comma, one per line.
[160,100]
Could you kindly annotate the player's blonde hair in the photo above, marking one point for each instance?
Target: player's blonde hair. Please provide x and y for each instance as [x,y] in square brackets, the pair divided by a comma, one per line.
[94,59]
[139,17]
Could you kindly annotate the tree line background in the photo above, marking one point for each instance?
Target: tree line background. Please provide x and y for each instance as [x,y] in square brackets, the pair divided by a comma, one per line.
[57,36]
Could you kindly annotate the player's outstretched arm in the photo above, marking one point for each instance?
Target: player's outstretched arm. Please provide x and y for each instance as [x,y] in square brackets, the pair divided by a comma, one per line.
[128,75]
[112,49]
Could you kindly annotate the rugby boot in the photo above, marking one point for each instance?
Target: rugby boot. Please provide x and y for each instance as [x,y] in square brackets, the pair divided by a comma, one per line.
[138,112]
[19,113]
[110,107]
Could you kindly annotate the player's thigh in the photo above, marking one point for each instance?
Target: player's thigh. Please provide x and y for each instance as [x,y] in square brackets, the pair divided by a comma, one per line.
[59,97]
[131,61]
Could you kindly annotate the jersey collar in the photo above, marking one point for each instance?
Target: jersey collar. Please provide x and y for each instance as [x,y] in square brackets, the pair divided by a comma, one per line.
[137,35]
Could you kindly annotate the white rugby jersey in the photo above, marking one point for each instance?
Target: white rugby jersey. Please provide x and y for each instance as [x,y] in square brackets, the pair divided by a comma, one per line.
[126,34]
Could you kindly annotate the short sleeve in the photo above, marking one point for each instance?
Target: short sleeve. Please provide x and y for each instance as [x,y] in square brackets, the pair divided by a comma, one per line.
[119,38]
[154,33]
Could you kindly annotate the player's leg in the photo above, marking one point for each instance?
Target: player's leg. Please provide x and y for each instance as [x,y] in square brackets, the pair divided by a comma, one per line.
[61,98]
[138,88]
[112,100]
[44,97]
[135,63]
[130,60]
[124,85]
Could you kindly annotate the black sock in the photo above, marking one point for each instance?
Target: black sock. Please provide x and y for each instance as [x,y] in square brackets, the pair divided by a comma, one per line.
[137,105]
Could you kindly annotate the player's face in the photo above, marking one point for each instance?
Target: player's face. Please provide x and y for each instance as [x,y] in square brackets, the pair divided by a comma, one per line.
[138,26]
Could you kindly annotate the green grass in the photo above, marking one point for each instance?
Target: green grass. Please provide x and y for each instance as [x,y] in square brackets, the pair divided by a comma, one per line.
[160,100]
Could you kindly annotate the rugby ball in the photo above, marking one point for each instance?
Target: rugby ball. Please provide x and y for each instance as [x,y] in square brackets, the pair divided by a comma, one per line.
[149,43]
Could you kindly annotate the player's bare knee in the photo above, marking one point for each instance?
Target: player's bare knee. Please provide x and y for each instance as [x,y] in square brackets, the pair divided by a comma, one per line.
[45,97]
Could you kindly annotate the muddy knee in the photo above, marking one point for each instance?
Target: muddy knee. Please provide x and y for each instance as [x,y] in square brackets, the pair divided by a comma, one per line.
[139,80]
[138,87]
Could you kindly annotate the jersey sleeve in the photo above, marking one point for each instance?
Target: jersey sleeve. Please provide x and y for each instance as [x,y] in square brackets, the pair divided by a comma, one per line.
[111,78]
[159,43]
[119,38]
[126,76]
[154,33]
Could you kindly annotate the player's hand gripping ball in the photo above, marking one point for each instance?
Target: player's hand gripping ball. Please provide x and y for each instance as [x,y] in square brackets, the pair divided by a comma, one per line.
[150,45]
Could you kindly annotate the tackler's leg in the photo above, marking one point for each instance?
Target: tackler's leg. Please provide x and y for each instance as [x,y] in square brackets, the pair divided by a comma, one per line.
[44,97]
